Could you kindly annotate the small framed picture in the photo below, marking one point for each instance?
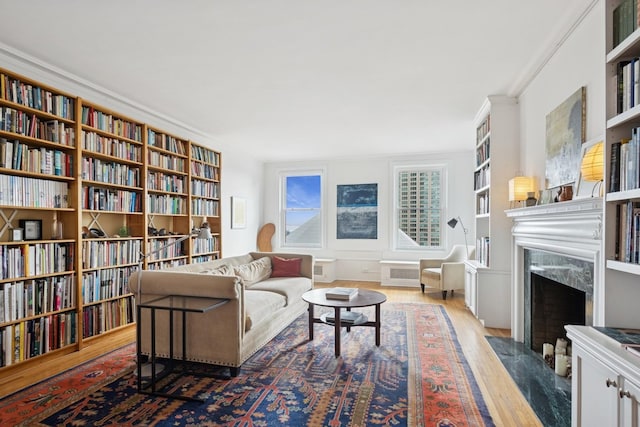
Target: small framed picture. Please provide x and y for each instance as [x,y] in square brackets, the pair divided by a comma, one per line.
[32,229]
[16,235]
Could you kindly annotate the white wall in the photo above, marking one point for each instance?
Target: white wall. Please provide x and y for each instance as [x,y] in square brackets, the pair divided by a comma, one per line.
[359,259]
[241,175]
[578,62]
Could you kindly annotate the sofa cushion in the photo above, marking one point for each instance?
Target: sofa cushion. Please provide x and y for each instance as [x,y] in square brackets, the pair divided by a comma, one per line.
[260,305]
[223,270]
[285,267]
[290,287]
[254,271]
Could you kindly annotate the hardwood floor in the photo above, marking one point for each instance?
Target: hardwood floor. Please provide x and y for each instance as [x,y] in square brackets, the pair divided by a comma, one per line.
[503,398]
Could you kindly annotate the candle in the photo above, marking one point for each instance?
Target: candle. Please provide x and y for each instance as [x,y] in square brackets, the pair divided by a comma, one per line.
[561,346]
[561,364]
[547,349]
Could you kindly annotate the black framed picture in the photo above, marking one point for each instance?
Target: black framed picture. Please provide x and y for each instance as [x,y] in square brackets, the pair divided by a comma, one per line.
[32,229]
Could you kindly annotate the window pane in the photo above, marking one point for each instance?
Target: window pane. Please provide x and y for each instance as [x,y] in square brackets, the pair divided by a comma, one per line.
[302,211]
[419,215]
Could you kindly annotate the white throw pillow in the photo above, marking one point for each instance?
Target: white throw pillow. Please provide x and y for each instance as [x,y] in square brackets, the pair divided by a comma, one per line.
[255,271]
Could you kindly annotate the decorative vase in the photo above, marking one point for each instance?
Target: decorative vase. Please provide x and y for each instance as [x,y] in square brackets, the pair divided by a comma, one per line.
[565,193]
[531,199]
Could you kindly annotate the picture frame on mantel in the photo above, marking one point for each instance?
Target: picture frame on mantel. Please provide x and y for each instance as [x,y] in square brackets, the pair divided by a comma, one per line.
[565,133]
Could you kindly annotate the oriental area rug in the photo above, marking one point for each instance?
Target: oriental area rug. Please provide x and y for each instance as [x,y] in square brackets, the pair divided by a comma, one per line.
[417,377]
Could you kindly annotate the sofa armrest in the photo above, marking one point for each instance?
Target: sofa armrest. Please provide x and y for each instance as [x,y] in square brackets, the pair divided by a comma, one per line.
[163,282]
[306,267]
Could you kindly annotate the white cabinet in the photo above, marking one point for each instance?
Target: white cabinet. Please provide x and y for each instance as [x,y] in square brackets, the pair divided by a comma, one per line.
[605,383]
[488,294]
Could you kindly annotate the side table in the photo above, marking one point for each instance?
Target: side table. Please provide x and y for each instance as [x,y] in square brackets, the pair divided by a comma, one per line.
[171,303]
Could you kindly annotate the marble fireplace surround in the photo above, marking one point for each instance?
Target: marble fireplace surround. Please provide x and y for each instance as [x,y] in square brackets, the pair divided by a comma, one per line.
[571,229]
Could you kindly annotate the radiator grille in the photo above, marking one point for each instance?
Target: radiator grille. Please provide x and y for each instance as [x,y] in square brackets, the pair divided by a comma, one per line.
[403,273]
[317,270]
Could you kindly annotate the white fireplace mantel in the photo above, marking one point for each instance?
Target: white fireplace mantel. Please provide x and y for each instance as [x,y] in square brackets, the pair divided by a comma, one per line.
[573,229]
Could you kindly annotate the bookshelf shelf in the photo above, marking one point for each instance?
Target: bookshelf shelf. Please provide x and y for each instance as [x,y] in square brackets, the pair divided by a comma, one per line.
[89,169]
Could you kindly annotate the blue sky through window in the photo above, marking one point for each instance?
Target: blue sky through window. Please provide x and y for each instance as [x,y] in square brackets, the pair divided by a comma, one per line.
[303,192]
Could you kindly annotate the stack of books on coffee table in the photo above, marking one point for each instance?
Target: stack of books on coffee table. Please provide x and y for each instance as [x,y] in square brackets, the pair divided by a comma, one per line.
[344,294]
[347,317]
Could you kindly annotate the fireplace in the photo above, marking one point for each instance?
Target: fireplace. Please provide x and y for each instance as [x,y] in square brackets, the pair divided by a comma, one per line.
[558,291]
[556,263]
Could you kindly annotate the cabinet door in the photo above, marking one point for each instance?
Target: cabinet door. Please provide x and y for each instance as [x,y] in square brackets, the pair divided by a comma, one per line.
[470,288]
[629,393]
[595,392]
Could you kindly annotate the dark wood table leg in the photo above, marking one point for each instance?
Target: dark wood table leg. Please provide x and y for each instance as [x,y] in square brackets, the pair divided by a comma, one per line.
[337,329]
[378,322]
[311,322]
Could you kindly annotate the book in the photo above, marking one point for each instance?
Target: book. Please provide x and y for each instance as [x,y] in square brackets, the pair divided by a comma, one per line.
[347,317]
[614,176]
[344,294]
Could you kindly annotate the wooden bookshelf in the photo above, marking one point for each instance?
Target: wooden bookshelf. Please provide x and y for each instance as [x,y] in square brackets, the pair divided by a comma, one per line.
[104,188]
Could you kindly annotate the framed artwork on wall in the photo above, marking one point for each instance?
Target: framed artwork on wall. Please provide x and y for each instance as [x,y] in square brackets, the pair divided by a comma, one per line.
[238,212]
[565,133]
[357,211]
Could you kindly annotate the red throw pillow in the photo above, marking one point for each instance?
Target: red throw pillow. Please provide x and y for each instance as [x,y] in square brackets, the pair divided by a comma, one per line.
[285,267]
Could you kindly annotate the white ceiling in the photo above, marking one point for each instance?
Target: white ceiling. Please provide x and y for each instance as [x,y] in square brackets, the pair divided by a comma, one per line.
[298,80]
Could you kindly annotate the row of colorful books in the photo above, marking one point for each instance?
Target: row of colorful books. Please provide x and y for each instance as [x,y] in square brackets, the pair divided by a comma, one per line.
[204,155]
[202,207]
[106,283]
[28,124]
[107,315]
[624,163]
[627,244]
[23,260]
[104,199]
[110,172]
[166,182]
[108,123]
[105,253]
[35,297]
[165,161]
[97,143]
[34,337]
[166,142]
[33,192]
[36,97]
[20,156]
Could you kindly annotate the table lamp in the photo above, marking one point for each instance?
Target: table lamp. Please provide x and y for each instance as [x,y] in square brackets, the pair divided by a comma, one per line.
[592,168]
[519,186]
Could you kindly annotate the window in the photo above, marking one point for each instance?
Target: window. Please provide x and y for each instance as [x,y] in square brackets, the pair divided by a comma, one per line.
[418,219]
[301,209]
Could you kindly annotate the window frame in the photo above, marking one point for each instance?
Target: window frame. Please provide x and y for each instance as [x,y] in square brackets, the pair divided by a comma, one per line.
[422,167]
[282,206]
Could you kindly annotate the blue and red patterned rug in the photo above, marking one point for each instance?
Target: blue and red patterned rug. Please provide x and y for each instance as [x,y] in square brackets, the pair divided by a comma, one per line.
[417,377]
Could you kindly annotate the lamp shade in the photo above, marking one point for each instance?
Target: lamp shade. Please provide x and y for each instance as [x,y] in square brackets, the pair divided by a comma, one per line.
[592,168]
[519,186]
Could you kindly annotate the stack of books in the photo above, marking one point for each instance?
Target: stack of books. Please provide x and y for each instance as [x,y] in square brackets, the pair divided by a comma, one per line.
[347,317]
[344,294]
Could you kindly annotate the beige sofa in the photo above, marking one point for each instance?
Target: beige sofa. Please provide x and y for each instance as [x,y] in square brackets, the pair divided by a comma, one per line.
[258,307]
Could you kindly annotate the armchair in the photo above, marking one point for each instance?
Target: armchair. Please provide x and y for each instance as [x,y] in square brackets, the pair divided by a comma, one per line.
[446,274]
